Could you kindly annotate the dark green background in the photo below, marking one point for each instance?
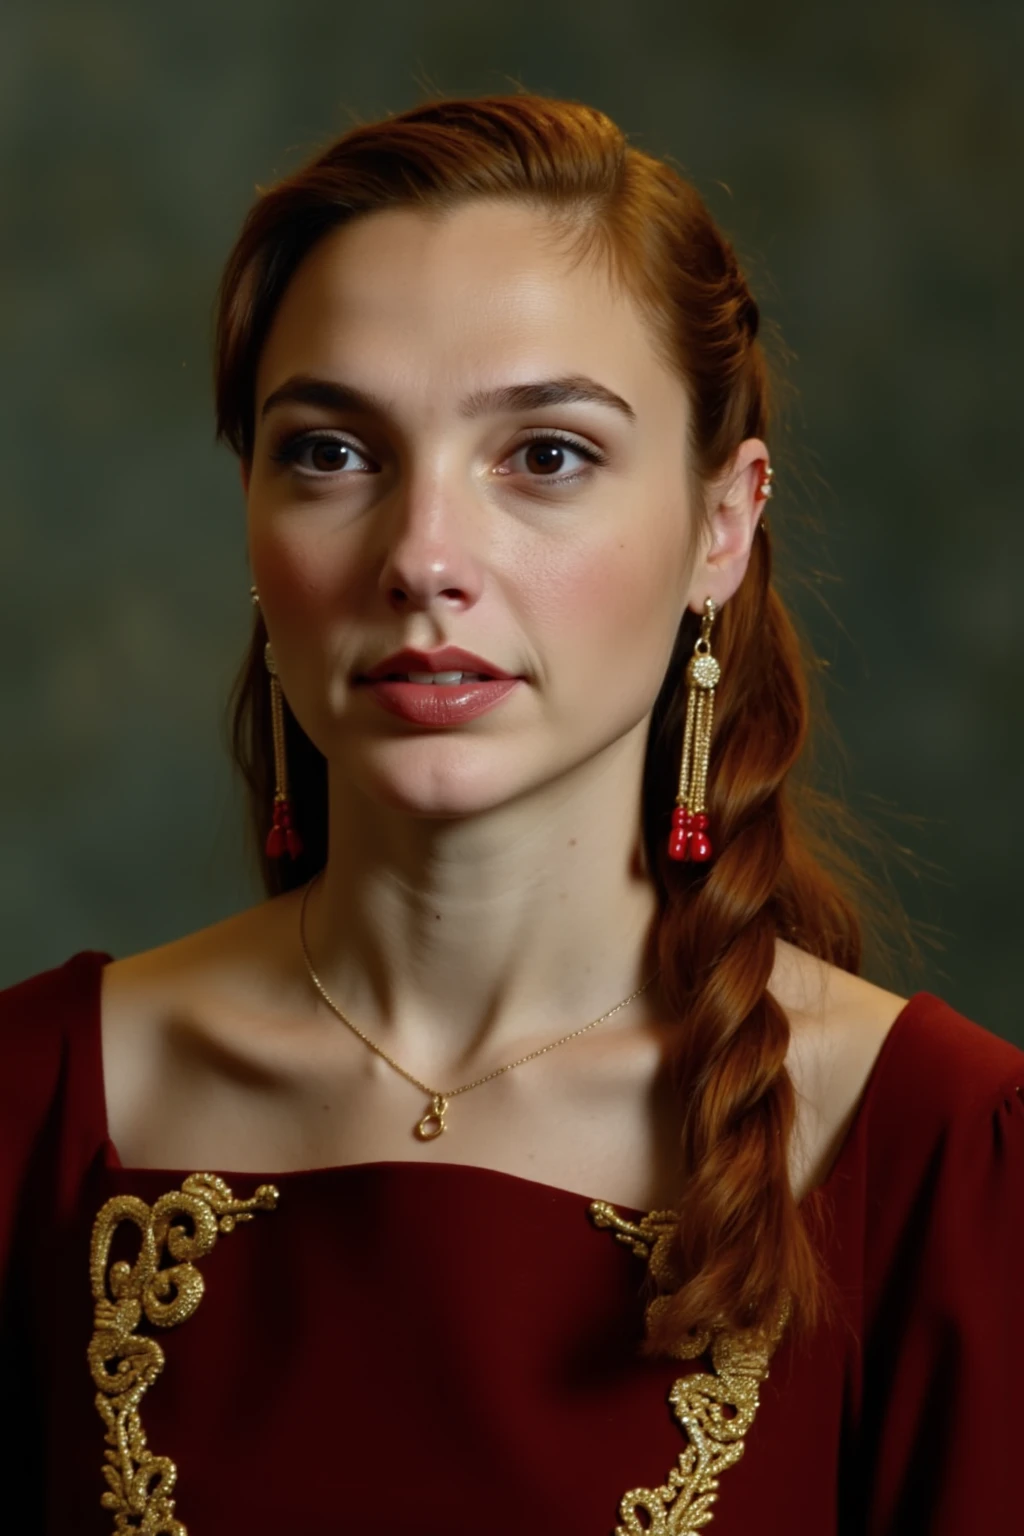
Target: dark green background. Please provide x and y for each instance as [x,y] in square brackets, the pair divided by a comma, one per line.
[868,163]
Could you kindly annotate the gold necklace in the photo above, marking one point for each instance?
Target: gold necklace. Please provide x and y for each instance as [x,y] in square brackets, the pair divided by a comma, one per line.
[432,1122]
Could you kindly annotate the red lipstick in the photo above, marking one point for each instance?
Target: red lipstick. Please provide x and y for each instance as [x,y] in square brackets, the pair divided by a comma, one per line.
[439,688]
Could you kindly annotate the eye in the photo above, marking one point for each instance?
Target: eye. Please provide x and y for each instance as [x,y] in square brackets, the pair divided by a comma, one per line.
[320,454]
[317,453]
[544,455]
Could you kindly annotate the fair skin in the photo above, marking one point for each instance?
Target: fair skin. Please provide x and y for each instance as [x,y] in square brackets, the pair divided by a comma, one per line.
[485,890]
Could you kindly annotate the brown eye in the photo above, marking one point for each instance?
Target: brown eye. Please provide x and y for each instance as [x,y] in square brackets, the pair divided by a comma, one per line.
[545,458]
[326,454]
[313,453]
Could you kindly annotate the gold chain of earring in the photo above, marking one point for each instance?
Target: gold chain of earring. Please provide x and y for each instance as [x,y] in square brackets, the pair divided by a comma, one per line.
[282,838]
[688,838]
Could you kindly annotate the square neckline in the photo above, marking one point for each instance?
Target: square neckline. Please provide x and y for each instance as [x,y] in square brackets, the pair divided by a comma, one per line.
[113,1164]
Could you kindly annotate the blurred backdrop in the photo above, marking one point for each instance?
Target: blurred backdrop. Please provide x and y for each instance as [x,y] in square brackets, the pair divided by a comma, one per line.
[867,162]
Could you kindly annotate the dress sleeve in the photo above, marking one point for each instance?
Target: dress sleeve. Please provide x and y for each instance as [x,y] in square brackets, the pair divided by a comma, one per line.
[52,1121]
[31,1049]
[941,1447]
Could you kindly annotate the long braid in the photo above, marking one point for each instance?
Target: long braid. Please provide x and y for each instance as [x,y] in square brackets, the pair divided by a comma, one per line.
[741,1235]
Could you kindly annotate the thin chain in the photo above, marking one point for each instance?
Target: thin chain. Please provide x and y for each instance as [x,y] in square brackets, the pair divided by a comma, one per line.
[440,1096]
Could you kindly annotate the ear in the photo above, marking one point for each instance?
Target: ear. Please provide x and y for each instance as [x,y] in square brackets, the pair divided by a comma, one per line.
[245,466]
[735,501]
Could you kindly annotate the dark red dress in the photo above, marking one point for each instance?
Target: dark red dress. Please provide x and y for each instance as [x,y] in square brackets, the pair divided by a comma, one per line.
[436,1350]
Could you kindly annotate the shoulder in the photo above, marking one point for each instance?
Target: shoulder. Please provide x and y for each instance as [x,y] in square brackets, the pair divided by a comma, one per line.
[839,1026]
[953,1062]
[41,1014]
[216,989]
[931,1101]
[842,1022]
[938,1169]
[925,1229]
[898,1071]
[50,1083]
[230,962]
[945,1113]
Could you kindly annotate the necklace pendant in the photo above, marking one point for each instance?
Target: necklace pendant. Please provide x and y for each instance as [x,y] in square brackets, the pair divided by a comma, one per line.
[432,1125]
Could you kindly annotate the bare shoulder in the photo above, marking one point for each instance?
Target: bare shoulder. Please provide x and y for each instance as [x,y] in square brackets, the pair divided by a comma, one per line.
[222,958]
[839,1024]
[206,992]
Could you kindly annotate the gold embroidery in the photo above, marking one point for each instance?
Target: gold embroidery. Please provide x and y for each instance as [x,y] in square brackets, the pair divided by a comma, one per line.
[183,1226]
[650,1238]
[716,1411]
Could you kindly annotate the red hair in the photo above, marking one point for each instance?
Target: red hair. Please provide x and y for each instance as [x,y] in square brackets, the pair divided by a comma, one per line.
[743,1244]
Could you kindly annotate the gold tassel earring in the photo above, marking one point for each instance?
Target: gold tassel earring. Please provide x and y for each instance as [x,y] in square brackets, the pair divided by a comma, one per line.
[688,838]
[282,837]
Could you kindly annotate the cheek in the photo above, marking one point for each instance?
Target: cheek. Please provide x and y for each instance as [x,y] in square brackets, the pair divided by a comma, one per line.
[608,616]
[294,579]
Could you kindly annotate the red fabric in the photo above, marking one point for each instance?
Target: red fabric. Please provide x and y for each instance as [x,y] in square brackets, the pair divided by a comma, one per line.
[451,1351]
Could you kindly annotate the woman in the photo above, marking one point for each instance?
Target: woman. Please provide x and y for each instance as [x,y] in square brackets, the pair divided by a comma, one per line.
[533,1159]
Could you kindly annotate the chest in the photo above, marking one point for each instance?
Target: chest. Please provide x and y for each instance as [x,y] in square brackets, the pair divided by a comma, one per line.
[194,1089]
[192,1084]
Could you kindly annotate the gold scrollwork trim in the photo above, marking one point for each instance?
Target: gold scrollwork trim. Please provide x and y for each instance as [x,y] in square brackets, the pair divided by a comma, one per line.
[716,1410]
[182,1226]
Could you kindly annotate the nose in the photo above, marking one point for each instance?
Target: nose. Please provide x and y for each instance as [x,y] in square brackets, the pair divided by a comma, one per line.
[429,562]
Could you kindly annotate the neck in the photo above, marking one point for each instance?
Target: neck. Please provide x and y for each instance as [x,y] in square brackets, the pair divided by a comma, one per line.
[455,941]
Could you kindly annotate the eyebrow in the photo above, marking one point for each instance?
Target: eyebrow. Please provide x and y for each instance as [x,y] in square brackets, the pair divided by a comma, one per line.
[571,389]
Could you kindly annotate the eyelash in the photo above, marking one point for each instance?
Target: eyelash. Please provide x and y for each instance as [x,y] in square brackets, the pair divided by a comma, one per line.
[288,451]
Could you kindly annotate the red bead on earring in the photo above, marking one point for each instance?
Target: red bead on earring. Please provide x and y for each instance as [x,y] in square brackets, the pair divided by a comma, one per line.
[282,837]
[700,843]
[679,837]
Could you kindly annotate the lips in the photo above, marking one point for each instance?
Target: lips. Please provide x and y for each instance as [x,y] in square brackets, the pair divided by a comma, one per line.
[437,707]
[446,659]
[438,689]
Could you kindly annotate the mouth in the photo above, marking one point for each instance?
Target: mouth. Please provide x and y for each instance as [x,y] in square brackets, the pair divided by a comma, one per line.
[446,666]
[433,679]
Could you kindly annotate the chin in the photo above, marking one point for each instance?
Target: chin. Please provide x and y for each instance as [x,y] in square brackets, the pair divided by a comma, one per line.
[439,780]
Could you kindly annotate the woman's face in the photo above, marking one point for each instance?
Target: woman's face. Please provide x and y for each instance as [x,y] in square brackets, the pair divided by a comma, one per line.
[402,495]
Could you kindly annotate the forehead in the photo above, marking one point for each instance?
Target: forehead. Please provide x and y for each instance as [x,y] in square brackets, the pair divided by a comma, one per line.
[429,305]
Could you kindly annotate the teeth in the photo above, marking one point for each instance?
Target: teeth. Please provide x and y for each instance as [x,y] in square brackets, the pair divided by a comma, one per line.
[444,678]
